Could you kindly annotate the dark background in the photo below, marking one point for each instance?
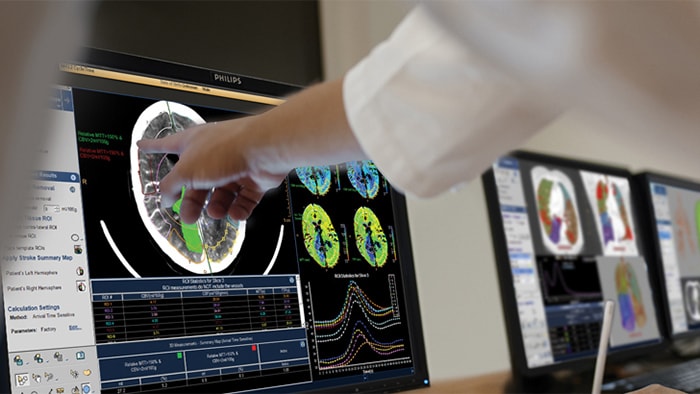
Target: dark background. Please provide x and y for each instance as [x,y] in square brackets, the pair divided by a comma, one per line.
[274,40]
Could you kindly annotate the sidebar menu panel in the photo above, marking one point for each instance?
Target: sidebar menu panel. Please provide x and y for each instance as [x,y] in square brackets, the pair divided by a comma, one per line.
[48,310]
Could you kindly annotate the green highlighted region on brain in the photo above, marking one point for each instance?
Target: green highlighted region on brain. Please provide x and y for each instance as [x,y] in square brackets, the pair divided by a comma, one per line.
[207,246]
[189,231]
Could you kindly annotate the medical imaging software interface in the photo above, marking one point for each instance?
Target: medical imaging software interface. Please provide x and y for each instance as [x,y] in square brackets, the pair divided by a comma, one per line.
[107,290]
[572,243]
[677,216]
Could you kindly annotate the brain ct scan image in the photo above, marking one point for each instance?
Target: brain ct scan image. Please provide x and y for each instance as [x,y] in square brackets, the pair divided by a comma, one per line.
[611,197]
[205,247]
[557,210]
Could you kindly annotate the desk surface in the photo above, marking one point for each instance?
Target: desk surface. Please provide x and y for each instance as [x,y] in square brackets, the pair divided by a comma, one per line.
[488,383]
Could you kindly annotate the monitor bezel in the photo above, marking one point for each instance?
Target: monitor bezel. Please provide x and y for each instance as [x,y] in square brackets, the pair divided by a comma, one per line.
[643,181]
[509,308]
[117,61]
[148,66]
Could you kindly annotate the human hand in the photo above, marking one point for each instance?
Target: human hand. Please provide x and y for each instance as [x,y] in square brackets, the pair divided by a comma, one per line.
[223,156]
[242,158]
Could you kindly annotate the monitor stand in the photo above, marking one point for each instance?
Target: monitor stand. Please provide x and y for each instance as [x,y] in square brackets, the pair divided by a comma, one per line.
[558,382]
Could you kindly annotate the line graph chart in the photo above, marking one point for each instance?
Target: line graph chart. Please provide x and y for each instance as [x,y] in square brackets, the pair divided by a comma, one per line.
[365,331]
[567,280]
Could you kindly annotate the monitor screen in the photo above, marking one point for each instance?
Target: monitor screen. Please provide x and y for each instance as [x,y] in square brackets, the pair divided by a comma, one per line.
[105,290]
[674,221]
[566,238]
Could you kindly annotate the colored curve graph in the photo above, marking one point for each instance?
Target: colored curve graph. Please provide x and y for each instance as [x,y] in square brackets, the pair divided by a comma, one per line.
[362,332]
[569,281]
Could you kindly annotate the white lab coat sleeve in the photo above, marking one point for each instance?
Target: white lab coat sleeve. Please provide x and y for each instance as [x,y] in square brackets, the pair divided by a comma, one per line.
[631,64]
[430,113]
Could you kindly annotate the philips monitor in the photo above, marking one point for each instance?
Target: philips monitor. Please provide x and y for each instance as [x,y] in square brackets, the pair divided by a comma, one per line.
[674,220]
[566,237]
[105,290]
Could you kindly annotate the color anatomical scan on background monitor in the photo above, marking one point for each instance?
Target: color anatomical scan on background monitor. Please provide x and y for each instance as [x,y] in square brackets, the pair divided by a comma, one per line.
[676,219]
[565,237]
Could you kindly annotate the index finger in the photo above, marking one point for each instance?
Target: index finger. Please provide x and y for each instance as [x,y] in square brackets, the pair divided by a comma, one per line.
[170,144]
[170,187]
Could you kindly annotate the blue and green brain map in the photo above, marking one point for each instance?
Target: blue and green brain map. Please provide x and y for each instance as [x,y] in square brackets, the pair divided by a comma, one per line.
[370,238]
[364,177]
[320,238]
[316,179]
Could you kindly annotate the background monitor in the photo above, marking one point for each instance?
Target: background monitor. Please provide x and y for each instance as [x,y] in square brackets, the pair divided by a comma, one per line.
[566,238]
[673,220]
[105,290]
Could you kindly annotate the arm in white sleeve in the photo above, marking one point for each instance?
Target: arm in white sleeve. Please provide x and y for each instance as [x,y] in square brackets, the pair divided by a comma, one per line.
[631,63]
[432,114]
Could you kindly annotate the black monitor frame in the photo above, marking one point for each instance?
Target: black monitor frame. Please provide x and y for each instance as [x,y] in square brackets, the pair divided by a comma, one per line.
[92,57]
[642,181]
[524,376]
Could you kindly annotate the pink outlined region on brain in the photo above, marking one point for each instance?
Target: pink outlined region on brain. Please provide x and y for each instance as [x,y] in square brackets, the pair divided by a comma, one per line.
[557,211]
[208,246]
